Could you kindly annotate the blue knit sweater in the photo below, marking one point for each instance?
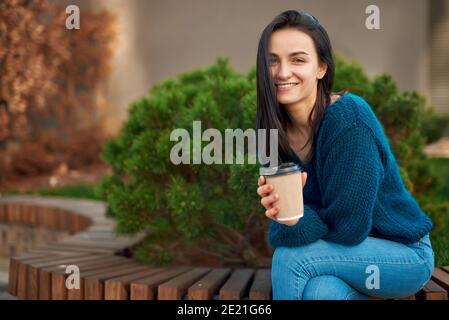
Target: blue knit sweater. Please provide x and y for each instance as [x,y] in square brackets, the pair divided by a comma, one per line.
[353,189]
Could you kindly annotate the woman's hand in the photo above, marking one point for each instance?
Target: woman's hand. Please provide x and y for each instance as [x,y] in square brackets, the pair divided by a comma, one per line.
[265,191]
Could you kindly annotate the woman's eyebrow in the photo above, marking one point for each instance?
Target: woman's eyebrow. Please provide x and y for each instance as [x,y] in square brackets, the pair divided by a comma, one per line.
[291,54]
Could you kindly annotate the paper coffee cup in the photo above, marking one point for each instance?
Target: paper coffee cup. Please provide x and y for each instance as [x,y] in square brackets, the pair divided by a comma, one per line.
[286,181]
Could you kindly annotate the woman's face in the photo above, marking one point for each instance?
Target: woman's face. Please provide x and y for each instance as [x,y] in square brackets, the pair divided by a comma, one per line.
[294,65]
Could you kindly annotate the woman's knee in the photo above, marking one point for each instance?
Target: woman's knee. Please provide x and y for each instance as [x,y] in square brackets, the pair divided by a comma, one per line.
[282,260]
[288,275]
[329,287]
[286,257]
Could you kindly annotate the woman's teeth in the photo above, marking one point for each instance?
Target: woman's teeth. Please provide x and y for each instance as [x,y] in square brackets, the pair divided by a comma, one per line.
[286,85]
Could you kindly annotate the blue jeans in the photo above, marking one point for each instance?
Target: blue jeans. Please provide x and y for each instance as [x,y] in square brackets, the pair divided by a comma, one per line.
[374,268]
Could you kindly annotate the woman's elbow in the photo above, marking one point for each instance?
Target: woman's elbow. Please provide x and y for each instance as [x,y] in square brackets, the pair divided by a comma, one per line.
[347,238]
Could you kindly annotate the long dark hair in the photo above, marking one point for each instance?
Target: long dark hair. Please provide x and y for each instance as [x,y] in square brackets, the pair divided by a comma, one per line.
[270,114]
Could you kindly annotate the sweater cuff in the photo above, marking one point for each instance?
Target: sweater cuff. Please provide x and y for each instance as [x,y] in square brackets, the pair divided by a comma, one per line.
[309,228]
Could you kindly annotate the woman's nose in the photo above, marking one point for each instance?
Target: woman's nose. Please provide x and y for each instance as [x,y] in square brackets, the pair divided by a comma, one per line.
[284,72]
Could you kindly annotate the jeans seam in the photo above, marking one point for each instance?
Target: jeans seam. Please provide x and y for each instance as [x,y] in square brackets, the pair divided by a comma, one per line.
[307,264]
[365,260]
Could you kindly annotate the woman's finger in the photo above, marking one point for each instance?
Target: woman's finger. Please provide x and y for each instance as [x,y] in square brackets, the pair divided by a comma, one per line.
[304,178]
[271,213]
[261,181]
[267,202]
[264,190]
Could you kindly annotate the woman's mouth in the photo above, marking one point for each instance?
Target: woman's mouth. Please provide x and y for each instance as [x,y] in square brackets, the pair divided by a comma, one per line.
[286,86]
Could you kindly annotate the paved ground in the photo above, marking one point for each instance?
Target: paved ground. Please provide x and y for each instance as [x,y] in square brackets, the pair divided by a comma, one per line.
[101,227]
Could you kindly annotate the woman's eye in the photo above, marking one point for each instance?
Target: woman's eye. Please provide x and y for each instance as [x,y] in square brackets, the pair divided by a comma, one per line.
[298,60]
[273,61]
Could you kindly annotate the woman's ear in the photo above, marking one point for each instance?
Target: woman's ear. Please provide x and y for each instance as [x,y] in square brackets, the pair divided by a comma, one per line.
[322,70]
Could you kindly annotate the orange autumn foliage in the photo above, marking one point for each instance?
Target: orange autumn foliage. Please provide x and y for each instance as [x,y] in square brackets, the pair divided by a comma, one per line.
[50,77]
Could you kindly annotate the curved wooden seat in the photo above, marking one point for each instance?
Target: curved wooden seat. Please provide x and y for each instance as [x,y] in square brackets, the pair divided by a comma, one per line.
[105,272]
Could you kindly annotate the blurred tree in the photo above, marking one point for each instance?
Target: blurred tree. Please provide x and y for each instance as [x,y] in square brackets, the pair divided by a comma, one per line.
[51,77]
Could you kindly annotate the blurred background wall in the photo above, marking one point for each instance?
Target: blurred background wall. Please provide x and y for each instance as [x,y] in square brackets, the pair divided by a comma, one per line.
[160,38]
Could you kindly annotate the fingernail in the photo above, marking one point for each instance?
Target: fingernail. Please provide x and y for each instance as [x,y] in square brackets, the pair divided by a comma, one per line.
[277,196]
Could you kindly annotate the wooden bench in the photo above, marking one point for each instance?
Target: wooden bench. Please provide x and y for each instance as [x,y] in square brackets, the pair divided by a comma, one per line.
[109,277]
[107,274]
[39,275]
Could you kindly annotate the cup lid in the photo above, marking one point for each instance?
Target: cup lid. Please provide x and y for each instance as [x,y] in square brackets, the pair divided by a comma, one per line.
[284,168]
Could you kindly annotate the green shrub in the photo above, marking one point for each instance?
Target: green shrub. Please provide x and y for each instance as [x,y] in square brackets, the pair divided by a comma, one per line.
[216,206]
[434,125]
[438,211]
[186,203]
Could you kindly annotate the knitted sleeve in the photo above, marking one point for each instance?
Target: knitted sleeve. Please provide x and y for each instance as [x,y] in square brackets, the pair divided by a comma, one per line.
[351,178]
[310,228]
[352,175]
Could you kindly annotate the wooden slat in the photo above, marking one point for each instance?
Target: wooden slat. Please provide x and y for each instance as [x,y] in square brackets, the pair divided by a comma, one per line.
[146,288]
[432,291]
[22,274]
[78,294]
[51,218]
[40,275]
[119,288]
[206,287]
[33,269]
[70,248]
[51,249]
[58,289]
[112,242]
[88,243]
[445,269]
[13,276]
[14,272]
[5,213]
[9,212]
[20,213]
[52,261]
[11,207]
[73,228]
[42,212]
[24,212]
[237,285]
[94,285]
[441,278]
[48,218]
[2,213]
[32,215]
[261,287]
[45,278]
[62,222]
[58,276]
[175,288]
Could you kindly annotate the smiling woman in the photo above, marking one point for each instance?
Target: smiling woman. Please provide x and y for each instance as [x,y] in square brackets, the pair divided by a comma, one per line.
[358,215]
[295,69]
